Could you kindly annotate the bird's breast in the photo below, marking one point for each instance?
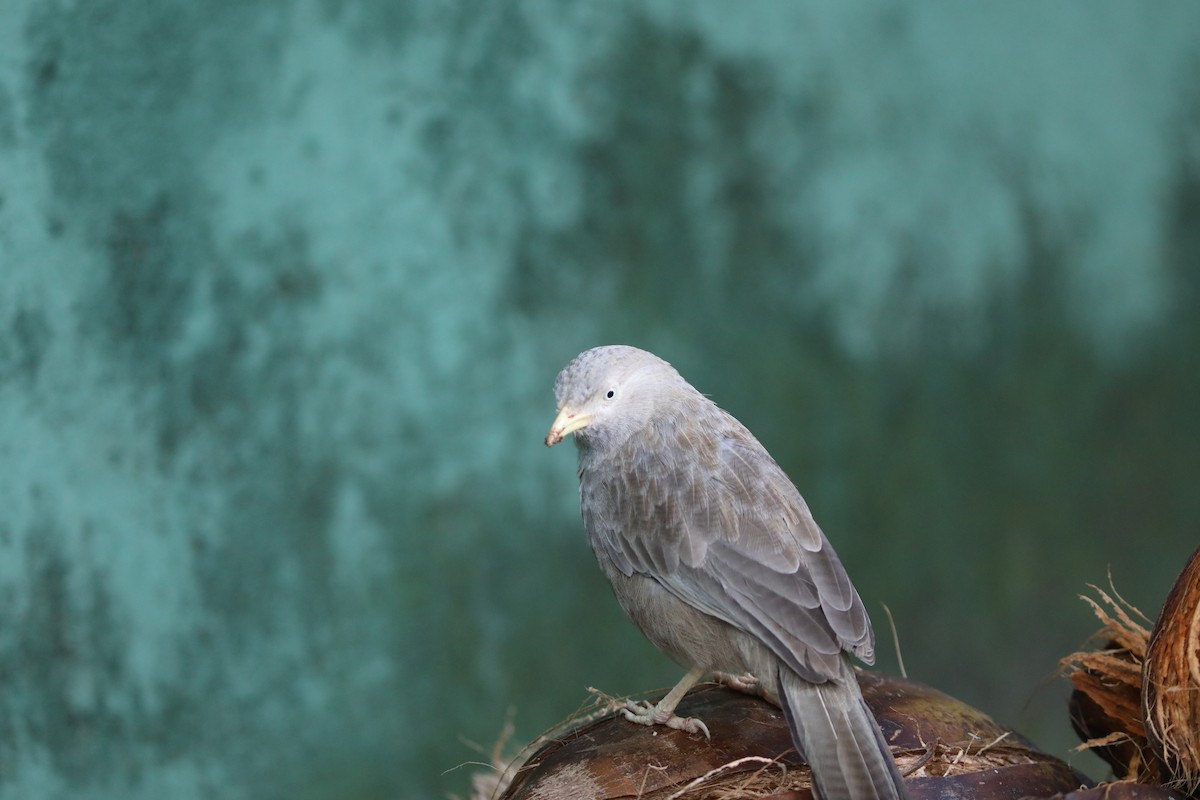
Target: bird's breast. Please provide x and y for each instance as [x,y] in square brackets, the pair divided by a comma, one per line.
[687,635]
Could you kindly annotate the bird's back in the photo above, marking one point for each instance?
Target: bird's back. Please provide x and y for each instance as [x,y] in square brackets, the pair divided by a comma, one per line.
[696,503]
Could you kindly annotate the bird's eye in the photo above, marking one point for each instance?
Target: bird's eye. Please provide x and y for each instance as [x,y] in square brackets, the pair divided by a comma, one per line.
[610,394]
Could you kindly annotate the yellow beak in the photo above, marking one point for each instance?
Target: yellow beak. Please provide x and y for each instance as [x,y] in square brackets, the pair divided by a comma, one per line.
[567,421]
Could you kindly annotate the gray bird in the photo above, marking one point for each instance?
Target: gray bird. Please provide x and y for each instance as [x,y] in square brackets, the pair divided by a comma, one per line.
[714,555]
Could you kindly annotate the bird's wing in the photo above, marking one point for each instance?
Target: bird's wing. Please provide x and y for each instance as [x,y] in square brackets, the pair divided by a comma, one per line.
[724,529]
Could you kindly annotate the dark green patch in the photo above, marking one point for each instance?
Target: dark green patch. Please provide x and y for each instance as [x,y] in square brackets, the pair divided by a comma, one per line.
[63,667]
[21,351]
[149,286]
[8,118]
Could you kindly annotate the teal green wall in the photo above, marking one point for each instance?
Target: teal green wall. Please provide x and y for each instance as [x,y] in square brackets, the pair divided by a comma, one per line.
[284,287]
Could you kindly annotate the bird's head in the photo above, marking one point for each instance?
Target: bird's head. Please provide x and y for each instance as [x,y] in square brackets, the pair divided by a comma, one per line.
[610,392]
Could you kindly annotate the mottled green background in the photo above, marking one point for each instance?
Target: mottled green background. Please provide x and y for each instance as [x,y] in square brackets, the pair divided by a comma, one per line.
[284,287]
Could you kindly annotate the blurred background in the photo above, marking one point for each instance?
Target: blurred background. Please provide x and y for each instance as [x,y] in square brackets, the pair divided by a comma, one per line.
[285,287]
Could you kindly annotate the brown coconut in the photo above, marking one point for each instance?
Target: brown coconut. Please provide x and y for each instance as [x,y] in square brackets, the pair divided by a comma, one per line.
[1171,682]
[944,747]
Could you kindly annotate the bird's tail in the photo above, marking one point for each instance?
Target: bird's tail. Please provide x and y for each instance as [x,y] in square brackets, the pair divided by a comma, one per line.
[836,733]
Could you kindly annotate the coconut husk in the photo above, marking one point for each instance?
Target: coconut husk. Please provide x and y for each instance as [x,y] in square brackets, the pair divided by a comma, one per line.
[943,747]
[1106,706]
[1137,696]
[1171,682]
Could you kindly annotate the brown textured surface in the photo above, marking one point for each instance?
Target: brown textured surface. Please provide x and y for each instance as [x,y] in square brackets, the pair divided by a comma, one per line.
[1171,681]
[1106,706]
[964,752]
[1122,791]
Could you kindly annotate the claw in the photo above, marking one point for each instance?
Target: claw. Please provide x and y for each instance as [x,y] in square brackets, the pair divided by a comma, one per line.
[646,714]
[689,725]
[746,682]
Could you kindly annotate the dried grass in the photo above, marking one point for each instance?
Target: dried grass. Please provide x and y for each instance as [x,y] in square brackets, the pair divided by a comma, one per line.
[1111,677]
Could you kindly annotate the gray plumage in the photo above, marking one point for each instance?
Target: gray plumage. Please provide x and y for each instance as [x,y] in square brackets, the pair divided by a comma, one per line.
[714,554]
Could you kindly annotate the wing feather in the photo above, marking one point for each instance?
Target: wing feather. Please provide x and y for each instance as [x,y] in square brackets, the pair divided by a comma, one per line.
[717,522]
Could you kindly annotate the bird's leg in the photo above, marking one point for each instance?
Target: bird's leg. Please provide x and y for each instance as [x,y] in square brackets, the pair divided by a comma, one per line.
[663,713]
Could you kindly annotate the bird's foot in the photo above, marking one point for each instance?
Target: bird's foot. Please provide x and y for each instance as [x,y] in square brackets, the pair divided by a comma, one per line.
[646,714]
[746,683]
